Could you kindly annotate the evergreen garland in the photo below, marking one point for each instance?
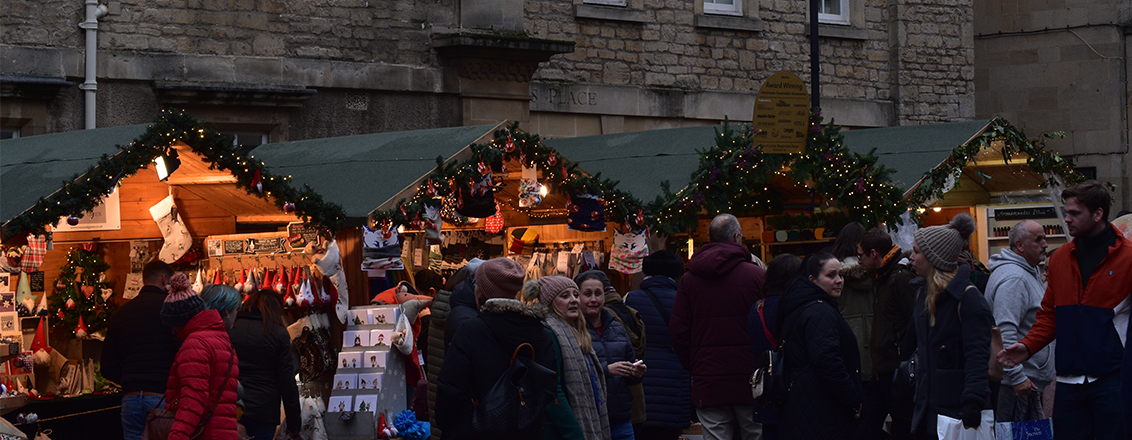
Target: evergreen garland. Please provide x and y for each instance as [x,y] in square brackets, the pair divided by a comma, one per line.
[84,191]
[1013,141]
[82,274]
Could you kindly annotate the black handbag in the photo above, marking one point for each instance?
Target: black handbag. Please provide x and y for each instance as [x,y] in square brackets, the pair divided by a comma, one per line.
[513,407]
[768,383]
[904,384]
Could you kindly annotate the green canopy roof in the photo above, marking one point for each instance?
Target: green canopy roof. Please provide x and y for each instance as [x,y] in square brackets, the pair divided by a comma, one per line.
[365,171]
[36,166]
[640,160]
[913,150]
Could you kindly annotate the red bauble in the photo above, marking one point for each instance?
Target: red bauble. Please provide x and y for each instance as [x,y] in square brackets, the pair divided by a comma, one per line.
[288,207]
[72,220]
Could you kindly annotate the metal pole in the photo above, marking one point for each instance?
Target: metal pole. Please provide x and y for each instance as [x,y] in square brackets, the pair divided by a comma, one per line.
[815,69]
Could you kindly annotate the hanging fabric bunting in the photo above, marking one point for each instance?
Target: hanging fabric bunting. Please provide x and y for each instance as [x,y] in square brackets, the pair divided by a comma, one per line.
[381,248]
[629,249]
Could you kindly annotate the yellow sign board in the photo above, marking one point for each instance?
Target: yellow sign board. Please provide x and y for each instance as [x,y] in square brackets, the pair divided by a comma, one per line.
[782,114]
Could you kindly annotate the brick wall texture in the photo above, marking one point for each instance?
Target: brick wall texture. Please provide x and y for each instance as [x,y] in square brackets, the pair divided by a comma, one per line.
[918,53]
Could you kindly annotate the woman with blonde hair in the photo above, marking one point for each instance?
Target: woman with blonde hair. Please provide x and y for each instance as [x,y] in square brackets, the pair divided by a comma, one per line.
[950,332]
[581,373]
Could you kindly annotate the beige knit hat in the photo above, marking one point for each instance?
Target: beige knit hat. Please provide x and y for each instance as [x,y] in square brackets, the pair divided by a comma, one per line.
[942,244]
[545,289]
[499,278]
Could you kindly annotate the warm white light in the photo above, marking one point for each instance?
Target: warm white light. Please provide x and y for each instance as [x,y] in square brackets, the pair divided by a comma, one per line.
[401,229]
[691,246]
[542,190]
[162,171]
[936,209]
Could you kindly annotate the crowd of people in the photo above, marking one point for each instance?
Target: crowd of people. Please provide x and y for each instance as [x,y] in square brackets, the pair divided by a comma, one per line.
[856,324]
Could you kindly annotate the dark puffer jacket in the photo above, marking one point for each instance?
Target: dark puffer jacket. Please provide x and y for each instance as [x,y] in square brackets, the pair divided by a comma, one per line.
[667,384]
[822,363]
[462,307]
[613,345]
[479,355]
[436,348]
[952,355]
[198,374]
[267,370]
[709,323]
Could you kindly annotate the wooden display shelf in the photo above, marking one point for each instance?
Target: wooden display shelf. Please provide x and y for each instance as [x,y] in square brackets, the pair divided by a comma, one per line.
[9,404]
[8,351]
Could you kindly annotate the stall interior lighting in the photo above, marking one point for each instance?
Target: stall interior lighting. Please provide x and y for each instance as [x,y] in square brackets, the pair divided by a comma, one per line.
[167,162]
[936,209]
[691,246]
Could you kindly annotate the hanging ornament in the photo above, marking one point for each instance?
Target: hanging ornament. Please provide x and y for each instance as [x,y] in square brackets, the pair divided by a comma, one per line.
[88,291]
[257,181]
[91,246]
[280,282]
[431,189]
[552,160]
[483,168]
[72,220]
[288,207]
[70,304]
[241,286]
[107,293]
[80,330]
[60,285]
[494,224]
[510,145]
[61,315]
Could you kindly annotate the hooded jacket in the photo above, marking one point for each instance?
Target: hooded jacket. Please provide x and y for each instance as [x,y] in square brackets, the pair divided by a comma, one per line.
[822,366]
[877,307]
[952,355]
[613,345]
[709,323]
[481,352]
[435,351]
[667,385]
[198,375]
[1014,293]
[267,370]
[462,307]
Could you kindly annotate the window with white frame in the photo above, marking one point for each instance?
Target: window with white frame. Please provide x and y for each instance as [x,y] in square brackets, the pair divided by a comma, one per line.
[834,11]
[621,3]
[9,132]
[727,7]
[246,141]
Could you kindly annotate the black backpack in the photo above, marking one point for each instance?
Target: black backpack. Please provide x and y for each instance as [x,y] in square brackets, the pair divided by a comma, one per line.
[513,407]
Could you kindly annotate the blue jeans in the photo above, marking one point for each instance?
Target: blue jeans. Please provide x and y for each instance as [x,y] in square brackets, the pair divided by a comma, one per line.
[621,431]
[1087,411]
[134,410]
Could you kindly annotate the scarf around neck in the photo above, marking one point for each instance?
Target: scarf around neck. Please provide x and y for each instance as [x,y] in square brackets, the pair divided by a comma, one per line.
[578,374]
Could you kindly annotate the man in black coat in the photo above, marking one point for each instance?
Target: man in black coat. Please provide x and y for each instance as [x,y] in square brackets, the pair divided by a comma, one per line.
[139,349]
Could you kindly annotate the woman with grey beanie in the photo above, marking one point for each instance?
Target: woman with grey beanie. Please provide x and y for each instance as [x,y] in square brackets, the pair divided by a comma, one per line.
[950,333]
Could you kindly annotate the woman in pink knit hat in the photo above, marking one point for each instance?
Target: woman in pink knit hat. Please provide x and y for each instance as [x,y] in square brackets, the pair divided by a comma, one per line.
[581,372]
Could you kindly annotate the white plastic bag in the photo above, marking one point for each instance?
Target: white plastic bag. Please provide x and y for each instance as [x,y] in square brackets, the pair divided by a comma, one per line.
[947,428]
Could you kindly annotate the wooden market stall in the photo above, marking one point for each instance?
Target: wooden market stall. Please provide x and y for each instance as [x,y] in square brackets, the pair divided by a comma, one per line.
[986,168]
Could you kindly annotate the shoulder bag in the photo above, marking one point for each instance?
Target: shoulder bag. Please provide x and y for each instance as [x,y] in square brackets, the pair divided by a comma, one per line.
[159,421]
[513,407]
[769,385]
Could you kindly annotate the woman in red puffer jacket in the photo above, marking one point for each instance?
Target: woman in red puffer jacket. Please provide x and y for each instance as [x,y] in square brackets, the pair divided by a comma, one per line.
[202,382]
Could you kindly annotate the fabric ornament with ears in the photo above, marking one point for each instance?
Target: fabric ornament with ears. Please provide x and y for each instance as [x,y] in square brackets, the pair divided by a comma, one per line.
[432,224]
[381,249]
[629,249]
[173,230]
[586,213]
[330,264]
[34,253]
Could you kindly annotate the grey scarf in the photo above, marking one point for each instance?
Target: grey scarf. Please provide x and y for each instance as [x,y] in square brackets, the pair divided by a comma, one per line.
[578,371]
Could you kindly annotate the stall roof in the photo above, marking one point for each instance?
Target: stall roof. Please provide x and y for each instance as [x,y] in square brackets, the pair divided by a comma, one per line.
[640,160]
[361,172]
[36,166]
[913,150]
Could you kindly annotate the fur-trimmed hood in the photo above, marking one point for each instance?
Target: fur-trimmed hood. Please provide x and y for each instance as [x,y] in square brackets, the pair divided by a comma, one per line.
[507,305]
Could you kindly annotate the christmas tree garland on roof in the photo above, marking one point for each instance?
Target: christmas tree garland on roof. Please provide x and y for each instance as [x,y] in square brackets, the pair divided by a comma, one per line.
[559,174]
[1051,165]
[735,176]
[85,191]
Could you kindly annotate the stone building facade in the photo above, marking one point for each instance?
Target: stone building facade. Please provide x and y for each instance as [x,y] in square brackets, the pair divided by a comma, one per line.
[1061,66]
[299,69]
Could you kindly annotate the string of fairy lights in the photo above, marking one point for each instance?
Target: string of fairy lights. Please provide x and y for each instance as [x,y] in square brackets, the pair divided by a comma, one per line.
[734,175]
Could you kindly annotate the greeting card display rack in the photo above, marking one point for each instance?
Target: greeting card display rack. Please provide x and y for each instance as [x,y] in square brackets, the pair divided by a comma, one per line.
[370,377]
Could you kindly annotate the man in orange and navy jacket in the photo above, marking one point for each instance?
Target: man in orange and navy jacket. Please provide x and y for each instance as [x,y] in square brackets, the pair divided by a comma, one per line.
[1086,308]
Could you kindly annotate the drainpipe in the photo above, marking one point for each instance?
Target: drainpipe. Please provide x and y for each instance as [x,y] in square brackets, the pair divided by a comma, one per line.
[94,11]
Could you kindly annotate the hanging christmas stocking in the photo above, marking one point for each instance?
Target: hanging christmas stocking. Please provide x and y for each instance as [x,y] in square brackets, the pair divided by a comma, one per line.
[33,255]
[330,264]
[177,239]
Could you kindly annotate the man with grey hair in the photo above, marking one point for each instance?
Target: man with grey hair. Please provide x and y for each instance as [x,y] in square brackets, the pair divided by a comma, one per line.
[1014,292]
[709,330]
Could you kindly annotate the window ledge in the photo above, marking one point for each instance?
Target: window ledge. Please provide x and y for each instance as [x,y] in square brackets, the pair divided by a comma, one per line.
[840,31]
[609,13]
[728,22]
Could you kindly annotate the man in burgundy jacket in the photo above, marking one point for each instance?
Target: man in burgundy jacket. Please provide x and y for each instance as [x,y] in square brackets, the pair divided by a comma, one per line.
[709,330]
